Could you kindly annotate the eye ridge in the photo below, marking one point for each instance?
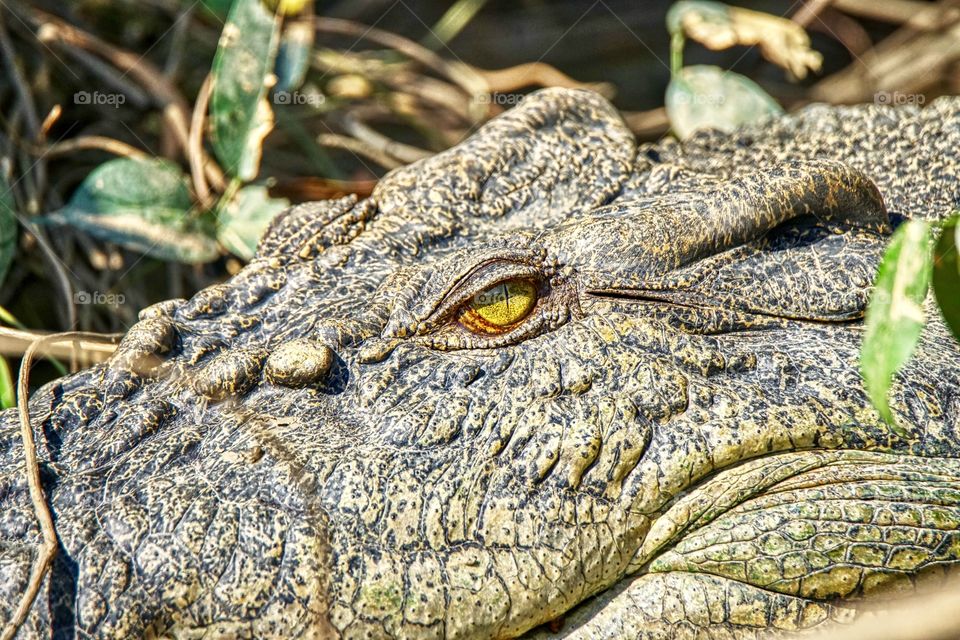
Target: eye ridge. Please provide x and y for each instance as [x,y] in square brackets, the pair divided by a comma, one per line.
[500,307]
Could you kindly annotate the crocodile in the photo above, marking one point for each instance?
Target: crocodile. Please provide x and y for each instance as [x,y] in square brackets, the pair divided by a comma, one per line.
[548,383]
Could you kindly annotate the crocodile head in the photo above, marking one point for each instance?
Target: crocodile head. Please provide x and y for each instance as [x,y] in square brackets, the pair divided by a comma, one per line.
[543,374]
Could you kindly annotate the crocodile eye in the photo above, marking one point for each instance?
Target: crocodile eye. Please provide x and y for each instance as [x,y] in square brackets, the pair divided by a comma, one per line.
[499,308]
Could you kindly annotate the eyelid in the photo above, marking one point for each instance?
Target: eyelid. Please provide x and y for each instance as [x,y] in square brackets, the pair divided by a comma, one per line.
[481,279]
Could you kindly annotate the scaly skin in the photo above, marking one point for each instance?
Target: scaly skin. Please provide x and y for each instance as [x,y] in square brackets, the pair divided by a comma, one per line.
[674,443]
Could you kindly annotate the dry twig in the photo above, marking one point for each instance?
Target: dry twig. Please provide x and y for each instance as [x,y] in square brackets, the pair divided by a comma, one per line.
[460,74]
[86,143]
[164,93]
[917,15]
[15,342]
[195,142]
[375,140]
[908,62]
[537,74]
[48,548]
[337,141]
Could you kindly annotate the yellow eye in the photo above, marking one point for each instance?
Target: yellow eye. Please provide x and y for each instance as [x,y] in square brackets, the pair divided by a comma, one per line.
[500,307]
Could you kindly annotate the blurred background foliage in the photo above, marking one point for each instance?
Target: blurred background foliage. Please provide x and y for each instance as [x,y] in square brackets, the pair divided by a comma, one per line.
[145,144]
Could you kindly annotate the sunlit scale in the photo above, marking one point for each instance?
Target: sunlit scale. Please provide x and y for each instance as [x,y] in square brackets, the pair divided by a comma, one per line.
[500,307]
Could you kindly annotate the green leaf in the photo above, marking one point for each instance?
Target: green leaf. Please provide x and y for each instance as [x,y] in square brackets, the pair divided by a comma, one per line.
[8,227]
[714,12]
[705,96]
[452,22]
[293,58]
[895,316]
[139,204]
[946,274]
[8,395]
[215,8]
[239,113]
[244,219]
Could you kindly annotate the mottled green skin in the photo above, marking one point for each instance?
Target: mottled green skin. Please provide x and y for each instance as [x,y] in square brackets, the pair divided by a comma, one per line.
[676,443]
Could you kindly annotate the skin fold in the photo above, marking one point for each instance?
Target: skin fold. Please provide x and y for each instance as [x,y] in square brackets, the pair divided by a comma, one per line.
[668,437]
